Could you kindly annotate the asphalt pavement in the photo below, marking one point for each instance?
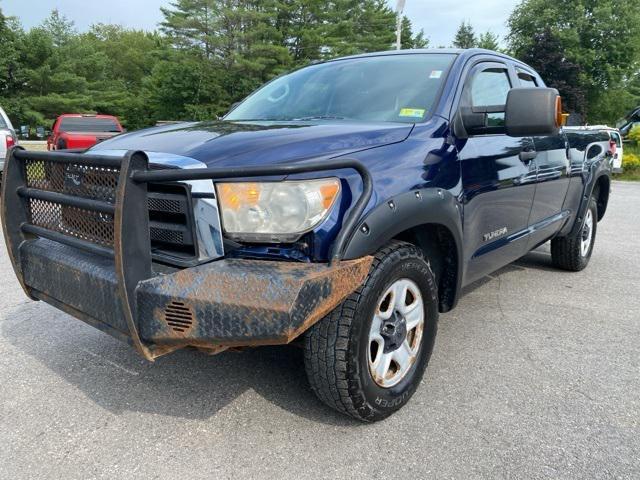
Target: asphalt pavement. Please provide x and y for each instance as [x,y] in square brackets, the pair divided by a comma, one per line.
[536,374]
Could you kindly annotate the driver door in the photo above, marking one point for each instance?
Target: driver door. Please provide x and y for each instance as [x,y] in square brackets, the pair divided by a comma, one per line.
[498,176]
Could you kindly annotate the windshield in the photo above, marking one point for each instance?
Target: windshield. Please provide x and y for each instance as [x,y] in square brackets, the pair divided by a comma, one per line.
[83,124]
[394,88]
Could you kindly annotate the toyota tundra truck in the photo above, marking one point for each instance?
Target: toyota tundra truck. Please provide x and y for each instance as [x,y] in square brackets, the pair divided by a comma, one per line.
[341,207]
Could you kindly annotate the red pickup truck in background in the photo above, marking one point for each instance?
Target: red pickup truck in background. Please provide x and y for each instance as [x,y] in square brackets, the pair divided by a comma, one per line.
[78,131]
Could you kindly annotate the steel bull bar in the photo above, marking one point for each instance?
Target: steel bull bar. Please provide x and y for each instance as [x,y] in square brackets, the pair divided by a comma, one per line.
[105,275]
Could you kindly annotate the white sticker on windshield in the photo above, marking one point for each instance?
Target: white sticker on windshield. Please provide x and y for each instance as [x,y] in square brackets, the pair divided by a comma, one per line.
[436,74]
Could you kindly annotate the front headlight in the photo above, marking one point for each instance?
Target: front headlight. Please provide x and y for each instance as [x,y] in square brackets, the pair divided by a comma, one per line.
[275,211]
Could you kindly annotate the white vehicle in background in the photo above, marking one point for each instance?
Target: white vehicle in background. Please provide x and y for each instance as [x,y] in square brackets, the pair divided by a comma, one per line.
[8,137]
[615,143]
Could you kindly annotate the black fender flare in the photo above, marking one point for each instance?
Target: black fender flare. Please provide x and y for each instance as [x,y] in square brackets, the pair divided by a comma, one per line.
[598,170]
[429,206]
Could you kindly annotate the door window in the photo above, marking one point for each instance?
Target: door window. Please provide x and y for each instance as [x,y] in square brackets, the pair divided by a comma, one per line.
[490,89]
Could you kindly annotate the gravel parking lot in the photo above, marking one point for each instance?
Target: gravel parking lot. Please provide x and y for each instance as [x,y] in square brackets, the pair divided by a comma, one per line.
[535,375]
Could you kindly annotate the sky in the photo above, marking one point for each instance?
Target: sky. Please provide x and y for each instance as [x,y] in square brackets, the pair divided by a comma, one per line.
[439,24]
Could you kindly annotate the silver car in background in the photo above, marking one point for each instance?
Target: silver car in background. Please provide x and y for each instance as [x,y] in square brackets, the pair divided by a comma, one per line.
[8,137]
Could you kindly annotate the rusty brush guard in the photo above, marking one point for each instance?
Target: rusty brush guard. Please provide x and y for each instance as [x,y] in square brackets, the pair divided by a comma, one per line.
[77,231]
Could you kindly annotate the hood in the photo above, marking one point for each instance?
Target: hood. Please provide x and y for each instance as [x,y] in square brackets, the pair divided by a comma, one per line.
[232,143]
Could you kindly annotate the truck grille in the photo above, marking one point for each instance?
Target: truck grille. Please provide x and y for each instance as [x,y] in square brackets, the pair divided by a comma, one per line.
[80,181]
[170,210]
[171,221]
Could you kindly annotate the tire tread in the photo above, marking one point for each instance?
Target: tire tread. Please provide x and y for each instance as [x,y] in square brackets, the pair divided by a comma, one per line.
[327,343]
[565,251]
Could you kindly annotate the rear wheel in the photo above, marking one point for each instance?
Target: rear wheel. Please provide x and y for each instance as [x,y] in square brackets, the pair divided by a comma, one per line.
[367,357]
[574,251]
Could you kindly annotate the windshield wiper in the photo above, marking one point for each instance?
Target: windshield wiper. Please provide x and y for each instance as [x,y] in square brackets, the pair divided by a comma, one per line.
[319,117]
[289,119]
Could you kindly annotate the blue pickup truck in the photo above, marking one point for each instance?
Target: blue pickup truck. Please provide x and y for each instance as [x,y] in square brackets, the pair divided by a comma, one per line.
[341,207]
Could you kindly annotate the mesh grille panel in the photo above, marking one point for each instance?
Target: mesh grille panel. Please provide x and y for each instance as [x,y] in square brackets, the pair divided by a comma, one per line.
[170,209]
[86,225]
[96,183]
[164,205]
[167,236]
[85,181]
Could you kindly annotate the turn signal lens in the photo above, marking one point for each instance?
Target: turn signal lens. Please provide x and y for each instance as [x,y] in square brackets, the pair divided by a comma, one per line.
[329,193]
[236,195]
[560,118]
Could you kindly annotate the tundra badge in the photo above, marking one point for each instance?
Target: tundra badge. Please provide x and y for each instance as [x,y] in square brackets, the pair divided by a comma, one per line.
[495,234]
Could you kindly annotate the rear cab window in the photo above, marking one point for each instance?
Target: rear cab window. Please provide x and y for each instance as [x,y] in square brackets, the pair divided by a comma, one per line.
[527,80]
[88,124]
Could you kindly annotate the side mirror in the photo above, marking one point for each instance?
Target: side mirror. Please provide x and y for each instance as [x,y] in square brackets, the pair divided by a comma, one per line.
[533,111]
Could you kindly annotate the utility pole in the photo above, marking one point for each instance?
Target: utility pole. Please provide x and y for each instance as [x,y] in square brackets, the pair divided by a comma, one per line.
[399,11]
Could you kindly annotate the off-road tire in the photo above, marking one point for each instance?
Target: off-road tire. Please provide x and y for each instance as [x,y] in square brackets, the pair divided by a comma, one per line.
[335,348]
[566,252]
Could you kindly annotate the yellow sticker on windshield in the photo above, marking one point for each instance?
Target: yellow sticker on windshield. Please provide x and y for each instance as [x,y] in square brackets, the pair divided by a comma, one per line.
[412,112]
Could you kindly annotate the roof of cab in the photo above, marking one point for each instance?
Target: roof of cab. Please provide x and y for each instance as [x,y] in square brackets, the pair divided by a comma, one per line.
[467,53]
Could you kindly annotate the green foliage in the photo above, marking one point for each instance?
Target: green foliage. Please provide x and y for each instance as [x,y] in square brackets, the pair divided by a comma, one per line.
[411,40]
[546,55]
[465,36]
[601,38]
[211,53]
[489,41]
[631,161]
[59,28]
[9,60]
[634,135]
[208,54]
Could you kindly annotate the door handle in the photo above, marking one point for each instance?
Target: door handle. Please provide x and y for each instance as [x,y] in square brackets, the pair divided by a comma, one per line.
[526,156]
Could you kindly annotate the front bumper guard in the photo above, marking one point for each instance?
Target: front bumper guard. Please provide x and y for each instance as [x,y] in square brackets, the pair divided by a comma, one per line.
[225,303]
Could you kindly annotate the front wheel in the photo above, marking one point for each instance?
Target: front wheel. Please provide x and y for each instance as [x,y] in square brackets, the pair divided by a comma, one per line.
[367,358]
[574,251]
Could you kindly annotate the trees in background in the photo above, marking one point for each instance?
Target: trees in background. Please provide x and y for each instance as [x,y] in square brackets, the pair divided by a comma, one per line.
[489,41]
[588,49]
[211,53]
[207,55]
[545,55]
[59,70]
[465,36]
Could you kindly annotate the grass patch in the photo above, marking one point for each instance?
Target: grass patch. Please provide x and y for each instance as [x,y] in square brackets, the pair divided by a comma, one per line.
[628,176]
[631,148]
